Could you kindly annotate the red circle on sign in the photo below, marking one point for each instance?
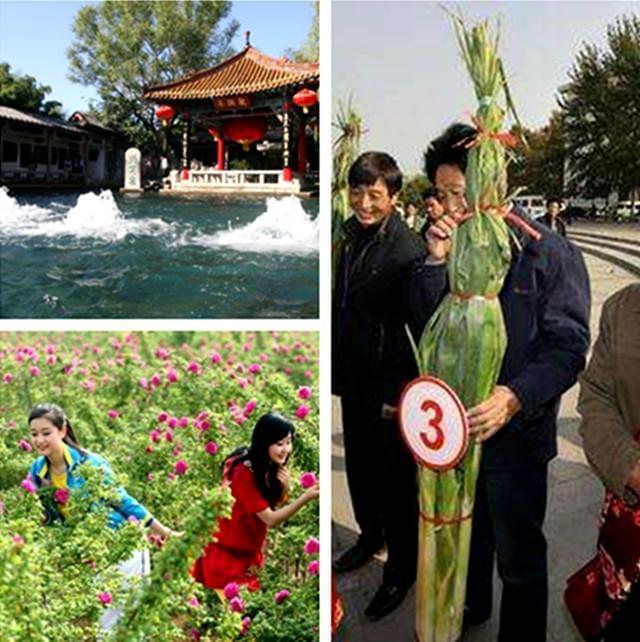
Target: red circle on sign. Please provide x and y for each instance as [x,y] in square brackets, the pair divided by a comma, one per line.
[407,402]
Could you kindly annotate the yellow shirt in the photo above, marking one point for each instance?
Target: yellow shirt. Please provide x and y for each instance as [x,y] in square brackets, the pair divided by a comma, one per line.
[60,481]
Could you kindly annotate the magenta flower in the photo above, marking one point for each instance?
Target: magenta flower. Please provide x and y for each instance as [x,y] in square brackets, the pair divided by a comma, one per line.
[34,371]
[172,375]
[18,540]
[250,406]
[162,353]
[28,485]
[302,411]
[313,567]
[105,598]
[215,358]
[156,380]
[193,601]
[236,604]
[281,596]
[211,448]
[7,377]
[61,496]
[168,435]
[113,414]
[304,392]
[312,546]
[183,422]
[25,445]
[181,467]
[195,635]
[307,480]
[154,435]
[143,383]
[162,417]
[254,368]
[243,382]
[231,590]
[173,422]
[194,367]
[246,625]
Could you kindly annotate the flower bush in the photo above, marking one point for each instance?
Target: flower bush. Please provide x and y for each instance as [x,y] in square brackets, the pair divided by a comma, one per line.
[164,409]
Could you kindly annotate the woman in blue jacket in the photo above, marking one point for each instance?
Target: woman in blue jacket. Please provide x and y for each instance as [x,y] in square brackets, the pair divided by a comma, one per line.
[58,466]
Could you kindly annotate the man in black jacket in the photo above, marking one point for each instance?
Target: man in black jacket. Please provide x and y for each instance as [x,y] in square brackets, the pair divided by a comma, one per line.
[381,283]
[545,302]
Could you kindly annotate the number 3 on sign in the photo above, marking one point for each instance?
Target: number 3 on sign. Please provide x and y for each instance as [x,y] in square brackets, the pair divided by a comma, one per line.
[433,423]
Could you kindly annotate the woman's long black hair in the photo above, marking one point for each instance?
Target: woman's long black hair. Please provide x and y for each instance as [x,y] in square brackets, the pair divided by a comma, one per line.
[269,429]
[57,417]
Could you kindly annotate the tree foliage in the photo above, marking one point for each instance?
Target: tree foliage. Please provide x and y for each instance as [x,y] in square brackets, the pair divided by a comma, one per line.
[601,109]
[25,93]
[121,47]
[310,48]
[539,168]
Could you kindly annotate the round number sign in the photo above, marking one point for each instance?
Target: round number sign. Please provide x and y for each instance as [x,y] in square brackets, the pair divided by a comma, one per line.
[433,423]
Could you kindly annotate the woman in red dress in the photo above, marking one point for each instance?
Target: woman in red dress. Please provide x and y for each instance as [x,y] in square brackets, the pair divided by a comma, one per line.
[259,483]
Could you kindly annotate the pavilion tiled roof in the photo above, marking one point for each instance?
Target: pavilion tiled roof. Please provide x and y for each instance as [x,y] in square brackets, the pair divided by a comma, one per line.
[248,72]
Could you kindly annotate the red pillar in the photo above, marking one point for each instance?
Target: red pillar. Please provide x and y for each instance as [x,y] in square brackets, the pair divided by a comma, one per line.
[221,153]
[302,149]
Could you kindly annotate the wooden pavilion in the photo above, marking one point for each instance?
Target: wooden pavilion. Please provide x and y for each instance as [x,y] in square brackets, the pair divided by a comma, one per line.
[262,113]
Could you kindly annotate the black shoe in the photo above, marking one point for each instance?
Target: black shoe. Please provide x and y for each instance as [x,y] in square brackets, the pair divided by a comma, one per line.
[355,557]
[388,598]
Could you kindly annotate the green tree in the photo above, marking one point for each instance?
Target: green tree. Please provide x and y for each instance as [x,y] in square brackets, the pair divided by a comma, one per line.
[121,47]
[539,166]
[601,109]
[25,93]
[310,48]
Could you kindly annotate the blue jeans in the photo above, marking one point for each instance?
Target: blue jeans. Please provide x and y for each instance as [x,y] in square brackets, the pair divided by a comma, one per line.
[507,523]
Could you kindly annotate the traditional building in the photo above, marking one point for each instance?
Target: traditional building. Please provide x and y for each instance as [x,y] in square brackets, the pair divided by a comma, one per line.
[39,151]
[262,113]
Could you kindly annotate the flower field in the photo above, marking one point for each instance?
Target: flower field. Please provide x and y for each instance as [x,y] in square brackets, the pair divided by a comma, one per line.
[164,409]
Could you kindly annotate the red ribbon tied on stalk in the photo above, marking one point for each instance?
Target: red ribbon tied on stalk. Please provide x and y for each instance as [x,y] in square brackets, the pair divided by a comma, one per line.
[506,139]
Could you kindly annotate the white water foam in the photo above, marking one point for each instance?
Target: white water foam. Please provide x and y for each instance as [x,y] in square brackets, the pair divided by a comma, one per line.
[93,216]
[285,227]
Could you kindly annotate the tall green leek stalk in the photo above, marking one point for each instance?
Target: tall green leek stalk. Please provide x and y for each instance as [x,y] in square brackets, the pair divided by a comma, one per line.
[463,344]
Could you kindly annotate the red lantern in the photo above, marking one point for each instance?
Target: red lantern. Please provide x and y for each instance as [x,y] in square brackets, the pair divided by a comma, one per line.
[245,130]
[305,98]
[165,113]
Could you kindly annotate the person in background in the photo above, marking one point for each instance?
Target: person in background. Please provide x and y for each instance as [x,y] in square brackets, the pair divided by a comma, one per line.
[609,404]
[432,205]
[379,261]
[552,218]
[545,301]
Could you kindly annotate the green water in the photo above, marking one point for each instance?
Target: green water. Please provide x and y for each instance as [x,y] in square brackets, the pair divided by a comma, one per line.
[157,256]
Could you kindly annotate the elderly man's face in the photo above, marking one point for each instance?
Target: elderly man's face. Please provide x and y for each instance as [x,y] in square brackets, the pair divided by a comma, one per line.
[371,203]
[450,184]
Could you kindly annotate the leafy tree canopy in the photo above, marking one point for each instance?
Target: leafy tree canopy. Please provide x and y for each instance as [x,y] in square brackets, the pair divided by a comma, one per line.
[601,110]
[122,47]
[310,49]
[26,94]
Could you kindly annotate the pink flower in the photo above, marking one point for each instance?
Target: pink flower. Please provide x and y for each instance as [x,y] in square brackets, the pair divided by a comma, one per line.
[250,407]
[34,371]
[313,567]
[231,590]
[28,485]
[181,467]
[172,375]
[195,635]
[304,392]
[193,601]
[194,367]
[113,414]
[7,377]
[173,422]
[162,417]
[183,422]
[143,383]
[18,540]
[1,507]
[162,353]
[312,546]
[246,624]
[150,477]
[302,411]
[61,496]
[215,358]
[105,598]
[168,435]
[307,480]
[154,435]
[156,380]
[281,596]
[254,368]
[25,445]
[242,383]
[211,448]
[236,604]
[204,425]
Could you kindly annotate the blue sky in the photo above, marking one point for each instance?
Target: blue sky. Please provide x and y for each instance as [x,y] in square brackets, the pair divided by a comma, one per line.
[401,64]
[34,37]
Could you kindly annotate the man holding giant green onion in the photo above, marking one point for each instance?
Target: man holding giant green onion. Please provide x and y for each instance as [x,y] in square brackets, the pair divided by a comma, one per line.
[545,302]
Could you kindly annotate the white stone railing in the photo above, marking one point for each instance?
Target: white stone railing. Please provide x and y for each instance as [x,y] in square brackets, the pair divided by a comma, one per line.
[250,180]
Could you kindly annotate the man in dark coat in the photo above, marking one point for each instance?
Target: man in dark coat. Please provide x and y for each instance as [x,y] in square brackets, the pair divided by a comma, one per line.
[552,218]
[546,303]
[379,261]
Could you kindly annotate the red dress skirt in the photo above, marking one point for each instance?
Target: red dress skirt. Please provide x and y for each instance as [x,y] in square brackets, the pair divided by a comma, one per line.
[236,553]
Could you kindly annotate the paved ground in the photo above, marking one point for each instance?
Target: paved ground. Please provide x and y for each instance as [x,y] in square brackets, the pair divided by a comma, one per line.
[575,496]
